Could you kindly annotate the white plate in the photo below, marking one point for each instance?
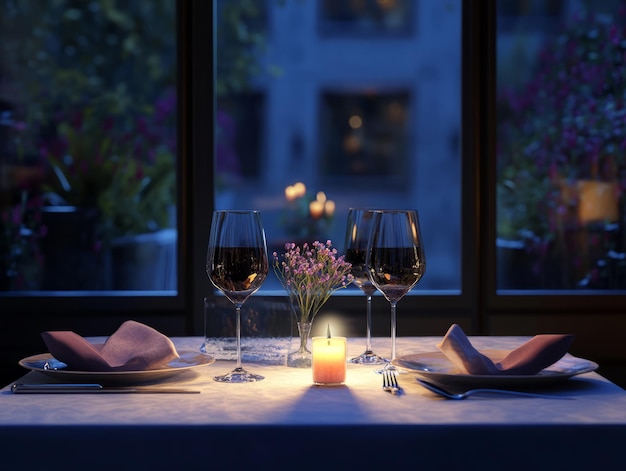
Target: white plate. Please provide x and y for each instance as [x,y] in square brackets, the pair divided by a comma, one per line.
[45,363]
[434,366]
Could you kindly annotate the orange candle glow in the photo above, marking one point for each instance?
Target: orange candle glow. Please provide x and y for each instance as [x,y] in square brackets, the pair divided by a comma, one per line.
[300,189]
[329,360]
[316,209]
[329,208]
[291,193]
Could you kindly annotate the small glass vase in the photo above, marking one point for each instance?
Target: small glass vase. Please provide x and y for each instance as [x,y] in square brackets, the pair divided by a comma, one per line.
[301,358]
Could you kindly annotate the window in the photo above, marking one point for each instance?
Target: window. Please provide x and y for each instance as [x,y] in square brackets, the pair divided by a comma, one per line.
[89,143]
[370,121]
[561,148]
[437,67]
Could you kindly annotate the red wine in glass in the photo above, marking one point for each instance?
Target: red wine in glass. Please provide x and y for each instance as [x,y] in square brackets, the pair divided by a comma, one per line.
[395,259]
[357,237]
[237,265]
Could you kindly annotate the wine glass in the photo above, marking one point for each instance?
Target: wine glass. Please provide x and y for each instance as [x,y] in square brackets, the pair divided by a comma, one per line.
[395,259]
[355,249]
[237,265]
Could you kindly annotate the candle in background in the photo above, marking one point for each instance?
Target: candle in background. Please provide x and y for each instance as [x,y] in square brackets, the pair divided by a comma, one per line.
[291,193]
[295,191]
[300,189]
[329,360]
[316,209]
[329,208]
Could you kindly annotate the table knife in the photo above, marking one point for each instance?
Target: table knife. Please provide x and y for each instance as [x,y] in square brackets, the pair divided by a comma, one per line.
[58,388]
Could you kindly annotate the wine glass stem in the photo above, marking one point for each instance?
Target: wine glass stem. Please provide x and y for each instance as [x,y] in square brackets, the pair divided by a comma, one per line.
[238,330]
[393,330]
[368,340]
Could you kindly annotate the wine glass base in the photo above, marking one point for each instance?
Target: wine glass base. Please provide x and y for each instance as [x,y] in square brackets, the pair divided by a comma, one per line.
[238,375]
[368,358]
[390,367]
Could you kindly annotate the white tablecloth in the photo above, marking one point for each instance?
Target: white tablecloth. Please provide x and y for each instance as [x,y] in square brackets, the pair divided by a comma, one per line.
[287,422]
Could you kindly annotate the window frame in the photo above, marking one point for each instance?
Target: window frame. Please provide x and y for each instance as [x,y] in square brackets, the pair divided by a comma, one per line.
[475,306]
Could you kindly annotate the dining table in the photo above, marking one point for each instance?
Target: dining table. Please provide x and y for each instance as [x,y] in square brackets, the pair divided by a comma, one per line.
[287,422]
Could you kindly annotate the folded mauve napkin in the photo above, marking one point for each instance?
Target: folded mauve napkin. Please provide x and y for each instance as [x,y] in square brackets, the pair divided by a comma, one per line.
[529,358]
[132,347]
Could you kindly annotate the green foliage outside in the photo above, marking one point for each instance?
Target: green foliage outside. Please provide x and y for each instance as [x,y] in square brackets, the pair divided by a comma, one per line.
[94,84]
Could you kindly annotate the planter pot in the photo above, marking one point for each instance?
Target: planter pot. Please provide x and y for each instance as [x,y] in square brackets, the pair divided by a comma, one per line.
[589,208]
[512,264]
[73,259]
[522,266]
[144,261]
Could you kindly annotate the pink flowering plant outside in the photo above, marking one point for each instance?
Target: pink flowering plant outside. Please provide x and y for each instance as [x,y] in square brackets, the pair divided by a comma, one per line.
[311,274]
[564,124]
[559,129]
[118,164]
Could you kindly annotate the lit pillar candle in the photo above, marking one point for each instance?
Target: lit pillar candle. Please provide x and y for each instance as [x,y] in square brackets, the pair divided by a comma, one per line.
[329,360]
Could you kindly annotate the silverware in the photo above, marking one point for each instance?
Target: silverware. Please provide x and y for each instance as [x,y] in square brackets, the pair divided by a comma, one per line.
[464,395]
[88,388]
[390,382]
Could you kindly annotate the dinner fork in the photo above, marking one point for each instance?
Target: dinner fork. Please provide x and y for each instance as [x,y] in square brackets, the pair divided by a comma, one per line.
[390,382]
[464,395]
